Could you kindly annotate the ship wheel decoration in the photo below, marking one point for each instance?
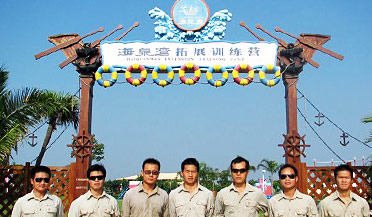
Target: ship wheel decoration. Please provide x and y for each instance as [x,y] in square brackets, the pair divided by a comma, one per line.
[294,145]
[82,145]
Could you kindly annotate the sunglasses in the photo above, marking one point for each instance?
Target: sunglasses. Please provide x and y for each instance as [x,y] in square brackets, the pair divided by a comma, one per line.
[239,170]
[93,178]
[283,176]
[46,180]
[149,172]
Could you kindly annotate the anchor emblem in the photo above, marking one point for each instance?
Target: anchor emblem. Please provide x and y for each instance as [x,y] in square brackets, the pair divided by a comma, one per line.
[319,116]
[344,136]
[33,143]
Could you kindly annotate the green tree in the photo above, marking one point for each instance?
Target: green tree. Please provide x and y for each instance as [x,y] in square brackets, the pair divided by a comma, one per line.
[270,166]
[252,168]
[19,110]
[98,151]
[252,182]
[207,176]
[63,110]
[168,185]
[276,186]
[223,179]
[139,177]
[213,178]
[114,187]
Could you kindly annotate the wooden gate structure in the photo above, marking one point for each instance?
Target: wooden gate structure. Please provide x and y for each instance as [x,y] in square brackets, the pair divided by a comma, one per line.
[87,59]
[292,57]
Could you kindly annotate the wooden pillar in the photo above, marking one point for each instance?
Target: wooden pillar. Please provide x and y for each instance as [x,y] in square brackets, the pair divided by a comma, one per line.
[290,84]
[71,184]
[27,170]
[302,181]
[83,161]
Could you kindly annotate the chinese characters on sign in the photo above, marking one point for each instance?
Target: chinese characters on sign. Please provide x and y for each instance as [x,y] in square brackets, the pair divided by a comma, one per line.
[176,54]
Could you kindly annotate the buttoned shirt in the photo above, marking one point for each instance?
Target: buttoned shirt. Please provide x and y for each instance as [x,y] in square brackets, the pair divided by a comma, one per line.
[230,203]
[89,205]
[196,204]
[29,205]
[334,206]
[299,205]
[137,203]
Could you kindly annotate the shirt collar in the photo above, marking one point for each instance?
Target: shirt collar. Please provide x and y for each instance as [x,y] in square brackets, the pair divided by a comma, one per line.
[90,195]
[297,194]
[31,195]
[336,195]
[353,195]
[248,188]
[199,188]
[154,191]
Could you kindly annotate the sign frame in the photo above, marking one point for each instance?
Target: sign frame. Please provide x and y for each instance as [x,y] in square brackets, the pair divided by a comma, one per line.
[107,46]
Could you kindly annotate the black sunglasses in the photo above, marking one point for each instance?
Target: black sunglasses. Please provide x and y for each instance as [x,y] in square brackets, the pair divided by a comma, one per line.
[149,172]
[96,177]
[238,170]
[283,176]
[46,180]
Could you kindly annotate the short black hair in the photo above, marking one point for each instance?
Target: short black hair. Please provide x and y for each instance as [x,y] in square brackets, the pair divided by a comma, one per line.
[343,167]
[150,161]
[96,167]
[288,166]
[38,169]
[190,161]
[239,160]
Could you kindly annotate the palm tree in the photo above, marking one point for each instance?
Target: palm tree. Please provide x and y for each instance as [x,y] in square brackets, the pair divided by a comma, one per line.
[270,166]
[252,168]
[63,111]
[19,110]
[368,120]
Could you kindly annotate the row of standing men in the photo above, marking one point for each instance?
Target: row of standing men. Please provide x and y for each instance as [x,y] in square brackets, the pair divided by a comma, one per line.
[191,199]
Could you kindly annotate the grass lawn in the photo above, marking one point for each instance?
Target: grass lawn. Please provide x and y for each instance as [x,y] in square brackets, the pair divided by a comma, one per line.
[119,204]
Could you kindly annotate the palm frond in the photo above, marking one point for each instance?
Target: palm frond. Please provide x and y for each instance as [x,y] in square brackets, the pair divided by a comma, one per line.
[269,165]
[23,106]
[64,108]
[10,140]
[3,80]
[367,119]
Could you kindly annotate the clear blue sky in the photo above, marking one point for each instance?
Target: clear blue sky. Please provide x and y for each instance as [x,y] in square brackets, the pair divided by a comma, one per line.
[212,124]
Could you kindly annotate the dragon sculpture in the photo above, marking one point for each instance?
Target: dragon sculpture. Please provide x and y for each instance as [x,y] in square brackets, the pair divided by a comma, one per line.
[165,29]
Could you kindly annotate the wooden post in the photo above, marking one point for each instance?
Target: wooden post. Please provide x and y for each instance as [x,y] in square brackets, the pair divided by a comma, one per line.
[294,144]
[302,181]
[290,84]
[83,162]
[27,178]
[71,184]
